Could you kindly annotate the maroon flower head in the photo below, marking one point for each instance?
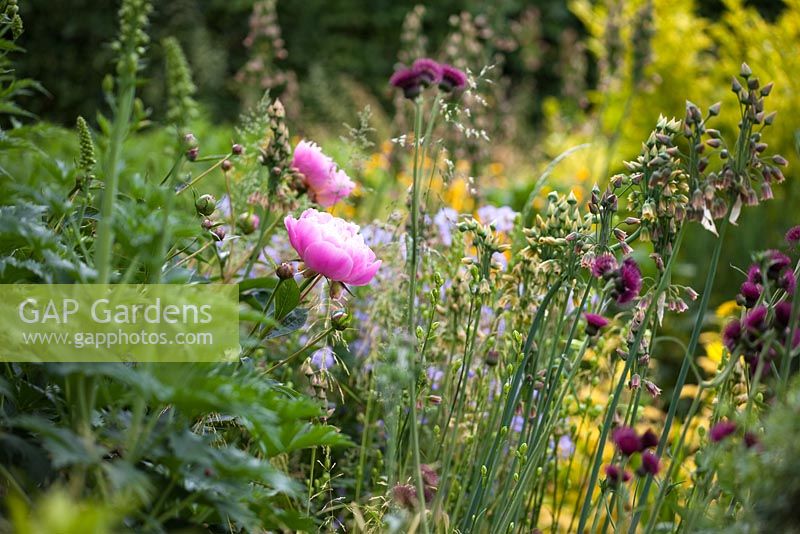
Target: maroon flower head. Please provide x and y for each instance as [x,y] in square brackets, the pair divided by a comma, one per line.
[776,262]
[453,79]
[615,475]
[793,235]
[650,464]
[751,440]
[732,334]
[787,281]
[750,293]
[649,439]
[603,265]
[594,323]
[630,281]
[755,319]
[721,430]
[429,71]
[783,313]
[754,274]
[408,80]
[626,440]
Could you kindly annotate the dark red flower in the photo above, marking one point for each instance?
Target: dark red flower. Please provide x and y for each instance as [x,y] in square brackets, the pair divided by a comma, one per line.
[409,81]
[750,293]
[429,71]
[732,334]
[626,440]
[776,262]
[453,79]
[614,475]
[603,265]
[783,313]
[755,320]
[650,464]
[649,439]
[793,235]
[594,323]
[629,282]
[721,430]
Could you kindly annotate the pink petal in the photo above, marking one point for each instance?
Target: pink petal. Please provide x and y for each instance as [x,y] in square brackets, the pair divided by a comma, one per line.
[328,260]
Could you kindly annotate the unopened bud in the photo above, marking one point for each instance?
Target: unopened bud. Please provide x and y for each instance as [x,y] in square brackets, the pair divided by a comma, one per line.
[205,205]
[340,319]
[285,271]
[248,223]
[226,165]
[237,149]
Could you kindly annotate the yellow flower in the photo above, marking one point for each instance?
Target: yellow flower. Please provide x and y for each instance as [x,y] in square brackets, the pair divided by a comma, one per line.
[727,309]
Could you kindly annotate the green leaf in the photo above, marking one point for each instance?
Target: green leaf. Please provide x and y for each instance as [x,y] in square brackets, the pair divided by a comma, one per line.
[294,321]
[287,297]
[65,447]
[267,282]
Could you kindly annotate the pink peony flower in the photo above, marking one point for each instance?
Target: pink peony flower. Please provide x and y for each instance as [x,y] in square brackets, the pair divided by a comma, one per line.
[327,183]
[332,247]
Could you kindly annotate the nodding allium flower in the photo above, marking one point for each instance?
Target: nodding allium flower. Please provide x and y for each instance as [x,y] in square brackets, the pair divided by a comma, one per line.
[453,79]
[650,464]
[594,323]
[409,81]
[615,475]
[428,70]
[323,359]
[652,389]
[630,281]
[603,265]
[721,430]
[793,235]
[626,440]
[327,184]
[732,334]
[750,294]
[501,217]
[332,247]
[755,319]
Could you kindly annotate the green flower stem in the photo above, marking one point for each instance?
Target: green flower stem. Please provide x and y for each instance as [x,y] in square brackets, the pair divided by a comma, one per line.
[119,130]
[617,393]
[688,357]
[508,410]
[307,346]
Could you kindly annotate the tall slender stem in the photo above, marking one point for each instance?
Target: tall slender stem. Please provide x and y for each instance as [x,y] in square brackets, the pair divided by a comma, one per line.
[684,371]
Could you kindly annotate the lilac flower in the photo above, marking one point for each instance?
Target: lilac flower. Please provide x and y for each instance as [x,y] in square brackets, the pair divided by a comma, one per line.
[594,323]
[565,447]
[721,430]
[323,359]
[517,422]
[453,79]
[435,375]
[502,217]
[429,71]
[626,440]
[650,464]
[793,235]
[603,265]
[444,220]
[630,281]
